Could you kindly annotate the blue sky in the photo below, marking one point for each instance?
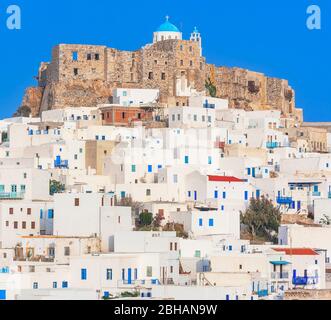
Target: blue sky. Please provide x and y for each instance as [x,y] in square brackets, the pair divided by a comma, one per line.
[265,36]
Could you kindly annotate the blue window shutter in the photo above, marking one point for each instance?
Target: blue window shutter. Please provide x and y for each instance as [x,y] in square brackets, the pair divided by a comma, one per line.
[246,195]
[83,274]
[2,294]
[224,195]
[216,194]
[150,168]
[211,222]
[200,222]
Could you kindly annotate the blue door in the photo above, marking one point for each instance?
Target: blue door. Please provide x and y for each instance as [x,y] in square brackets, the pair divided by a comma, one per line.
[129,276]
[2,294]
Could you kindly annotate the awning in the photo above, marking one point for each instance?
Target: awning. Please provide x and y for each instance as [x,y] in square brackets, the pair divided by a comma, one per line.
[280,263]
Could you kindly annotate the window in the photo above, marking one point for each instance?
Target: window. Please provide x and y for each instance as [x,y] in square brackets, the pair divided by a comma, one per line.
[89,56]
[150,168]
[33,225]
[54,285]
[23,225]
[150,76]
[216,194]
[149,272]
[83,274]
[109,274]
[14,188]
[75,71]
[175,178]
[28,211]
[22,187]
[186,160]
[211,222]
[15,225]
[163,76]
[76,202]
[50,214]
[246,195]
[224,195]
[197,254]
[35,285]
[97,56]
[64,284]
[7,223]
[148,192]
[11,210]
[181,62]
[67,251]
[191,63]
[176,246]
[200,222]
[133,168]
[74,56]
[171,246]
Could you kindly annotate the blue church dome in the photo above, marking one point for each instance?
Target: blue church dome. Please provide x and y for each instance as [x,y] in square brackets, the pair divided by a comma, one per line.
[167,27]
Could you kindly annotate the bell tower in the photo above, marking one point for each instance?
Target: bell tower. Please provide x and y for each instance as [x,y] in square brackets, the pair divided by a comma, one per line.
[195,36]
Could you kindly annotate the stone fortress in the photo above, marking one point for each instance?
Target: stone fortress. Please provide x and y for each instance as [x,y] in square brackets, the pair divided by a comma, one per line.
[84,75]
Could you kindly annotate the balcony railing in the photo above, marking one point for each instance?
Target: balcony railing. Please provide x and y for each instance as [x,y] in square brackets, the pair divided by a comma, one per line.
[62,164]
[303,281]
[135,283]
[316,194]
[11,195]
[272,145]
[284,200]
[4,270]
[280,275]
[263,293]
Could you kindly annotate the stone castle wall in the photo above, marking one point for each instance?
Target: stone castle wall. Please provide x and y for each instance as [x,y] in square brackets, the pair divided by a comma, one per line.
[84,75]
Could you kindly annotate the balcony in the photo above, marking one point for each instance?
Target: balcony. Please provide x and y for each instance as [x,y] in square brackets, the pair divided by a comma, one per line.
[303,281]
[4,270]
[280,275]
[136,283]
[61,164]
[316,194]
[284,200]
[263,293]
[272,145]
[11,195]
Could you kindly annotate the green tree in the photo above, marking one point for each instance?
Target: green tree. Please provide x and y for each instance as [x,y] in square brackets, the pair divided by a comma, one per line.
[262,219]
[56,187]
[146,218]
[211,88]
